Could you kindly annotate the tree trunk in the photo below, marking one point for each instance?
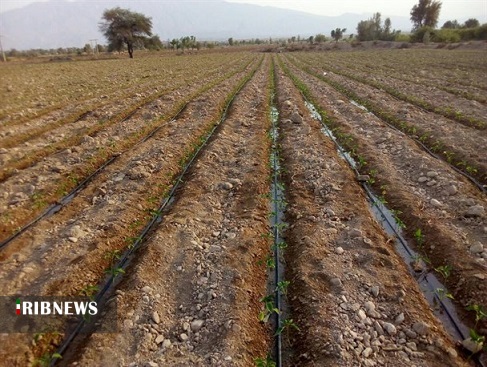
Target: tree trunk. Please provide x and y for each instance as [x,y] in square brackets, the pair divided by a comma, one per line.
[130,48]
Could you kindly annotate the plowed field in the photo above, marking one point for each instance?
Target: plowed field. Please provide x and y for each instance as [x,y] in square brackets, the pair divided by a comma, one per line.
[150,182]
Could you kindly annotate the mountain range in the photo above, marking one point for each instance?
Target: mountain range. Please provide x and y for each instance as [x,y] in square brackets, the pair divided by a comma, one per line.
[54,24]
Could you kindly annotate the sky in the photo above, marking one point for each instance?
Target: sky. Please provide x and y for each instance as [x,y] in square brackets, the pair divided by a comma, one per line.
[451,9]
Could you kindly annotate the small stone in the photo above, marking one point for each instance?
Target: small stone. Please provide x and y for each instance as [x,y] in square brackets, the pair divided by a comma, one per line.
[451,190]
[196,325]
[477,248]
[435,203]
[226,185]
[479,276]
[166,343]
[183,337]
[339,250]
[73,239]
[399,319]
[412,346]
[390,328]
[296,118]
[155,317]
[422,179]
[431,183]
[367,352]
[361,314]
[472,346]
[151,364]
[375,290]
[159,339]
[369,307]
[147,289]
[421,328]
[475,211]
[363,178]
[432,174]
[336,282]
[452,352]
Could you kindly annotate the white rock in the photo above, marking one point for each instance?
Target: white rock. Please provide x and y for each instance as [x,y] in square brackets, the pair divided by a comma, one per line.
[472,346]
[159,339]
[339,250]
[436,203]
[477,248]
[155,317]
[399,319]
[367,352]
[390,328]
[421,328]
[196,325]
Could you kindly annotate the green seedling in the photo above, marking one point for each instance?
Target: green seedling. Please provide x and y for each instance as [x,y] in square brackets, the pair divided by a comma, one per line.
[444,270]
[47,359]
[267,362]
[114,272]
[270,262]
[269,308]
[112,256]
[89,291]
[476,337]
[442,294]
[286,325]
[419,237]
[480,312]
[282,286]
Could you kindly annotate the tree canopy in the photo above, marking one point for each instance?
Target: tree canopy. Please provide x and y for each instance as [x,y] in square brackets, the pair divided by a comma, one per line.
[425,13]
[372,29]
[123,27]
[337,34]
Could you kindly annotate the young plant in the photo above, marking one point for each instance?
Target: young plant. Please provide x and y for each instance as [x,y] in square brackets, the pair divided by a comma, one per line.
[268,362]
[480,312]
[419,237]
[47,359]
[89,291]
[442,294]
[282,286]
[444,270]
[287,325]
[269,308]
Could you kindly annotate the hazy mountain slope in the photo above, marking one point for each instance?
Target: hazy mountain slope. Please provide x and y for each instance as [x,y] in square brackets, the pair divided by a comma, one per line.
[61,24]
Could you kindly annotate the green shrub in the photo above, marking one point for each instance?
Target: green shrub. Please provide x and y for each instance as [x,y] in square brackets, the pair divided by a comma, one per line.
[446,35]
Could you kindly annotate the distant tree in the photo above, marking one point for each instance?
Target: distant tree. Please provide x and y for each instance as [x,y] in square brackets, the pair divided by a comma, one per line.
[337,34]
[230,41]
[471,23]
[425,13]
[311,39]
[372,29]
[88,49]
[123,27]
[153,43]
[319,38]
[174,43]
[451,24]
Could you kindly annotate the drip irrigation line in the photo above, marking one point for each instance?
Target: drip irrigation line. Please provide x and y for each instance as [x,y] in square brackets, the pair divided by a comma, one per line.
[398,236]
[54,208]
[472,179]
[276,234]
[125,259]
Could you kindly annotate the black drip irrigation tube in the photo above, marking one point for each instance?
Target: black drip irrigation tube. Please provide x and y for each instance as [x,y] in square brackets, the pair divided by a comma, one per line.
[347,93]
[277,198]
[472,179]
[54,208]
[102,296]
[427,281]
